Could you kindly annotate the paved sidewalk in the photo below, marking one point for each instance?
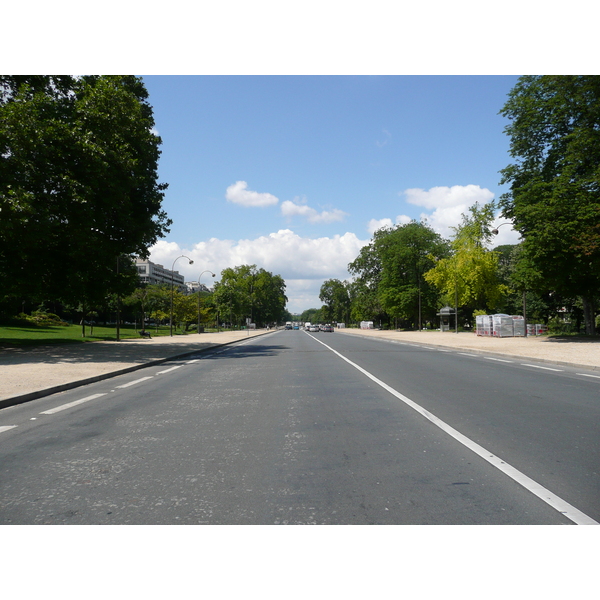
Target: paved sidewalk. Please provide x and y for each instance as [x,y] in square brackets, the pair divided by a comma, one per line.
[584,353]
[29,373]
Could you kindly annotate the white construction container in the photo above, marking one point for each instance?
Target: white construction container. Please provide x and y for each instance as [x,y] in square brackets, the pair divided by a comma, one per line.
[518,326]
[502,325]
[483,325]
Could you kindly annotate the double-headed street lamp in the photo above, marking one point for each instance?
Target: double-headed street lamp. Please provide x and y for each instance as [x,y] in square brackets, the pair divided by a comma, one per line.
[207,271]
[172,268]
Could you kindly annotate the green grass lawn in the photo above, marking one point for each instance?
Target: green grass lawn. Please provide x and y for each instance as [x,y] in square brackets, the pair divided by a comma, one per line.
[18,336]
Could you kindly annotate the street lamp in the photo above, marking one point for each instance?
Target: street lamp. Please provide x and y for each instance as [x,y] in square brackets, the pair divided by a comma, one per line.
[172,268]
[207,271]
[495,232]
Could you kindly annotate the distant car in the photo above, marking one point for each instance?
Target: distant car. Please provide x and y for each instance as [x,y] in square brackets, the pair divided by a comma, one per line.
[314,328]
[296,327]
[327,328]
[288,326]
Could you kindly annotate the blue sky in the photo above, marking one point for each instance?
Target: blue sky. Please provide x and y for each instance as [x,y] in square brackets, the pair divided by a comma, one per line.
[294,173]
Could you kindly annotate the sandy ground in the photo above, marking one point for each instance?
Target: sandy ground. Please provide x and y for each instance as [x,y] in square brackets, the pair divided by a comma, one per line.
[24,371]
[38,371]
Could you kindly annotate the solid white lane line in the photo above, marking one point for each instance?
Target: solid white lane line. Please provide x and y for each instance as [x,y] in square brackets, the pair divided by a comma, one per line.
[6,427]
[171,369]
[538,367]
[70,404]
[535,488]
[133,382]
[586,375]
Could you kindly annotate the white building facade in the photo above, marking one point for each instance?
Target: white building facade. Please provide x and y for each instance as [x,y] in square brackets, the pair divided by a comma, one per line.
[155,274]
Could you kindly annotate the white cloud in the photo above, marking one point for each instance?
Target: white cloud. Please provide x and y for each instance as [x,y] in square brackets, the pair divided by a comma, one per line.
[291,209]
[304,263]
[239,194]
[448,204]
[375,224]
[445,197]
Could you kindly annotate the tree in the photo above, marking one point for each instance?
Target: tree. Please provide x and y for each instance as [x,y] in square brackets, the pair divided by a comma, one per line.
[390,272]
[554,197]
[248,292]
[469,277]
[334,294]
[79,194]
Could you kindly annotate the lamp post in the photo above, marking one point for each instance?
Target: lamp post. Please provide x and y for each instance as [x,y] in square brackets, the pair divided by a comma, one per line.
[207,271]
[191,262]
[495,232]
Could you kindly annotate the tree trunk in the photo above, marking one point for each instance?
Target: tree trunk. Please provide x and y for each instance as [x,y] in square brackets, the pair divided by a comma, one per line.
[589,315]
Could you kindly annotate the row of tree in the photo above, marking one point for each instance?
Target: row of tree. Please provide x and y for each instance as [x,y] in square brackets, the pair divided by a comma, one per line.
[80,198]
[244,295]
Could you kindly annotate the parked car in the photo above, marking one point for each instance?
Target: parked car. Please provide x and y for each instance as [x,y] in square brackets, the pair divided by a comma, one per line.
[327,328]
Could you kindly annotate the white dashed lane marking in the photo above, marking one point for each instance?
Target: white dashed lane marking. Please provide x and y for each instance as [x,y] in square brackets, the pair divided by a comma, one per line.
[125,385]
[70,404]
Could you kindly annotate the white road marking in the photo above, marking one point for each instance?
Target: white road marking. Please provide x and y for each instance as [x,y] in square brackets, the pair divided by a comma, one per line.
[70,404]
[194,360]
[560,505]
[133,382]
[538,367]
[586,375]
[497,359]
[6,427]
[171,369]
[466,354]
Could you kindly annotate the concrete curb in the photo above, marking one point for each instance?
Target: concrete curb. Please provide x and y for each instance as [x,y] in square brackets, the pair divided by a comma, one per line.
[21,399]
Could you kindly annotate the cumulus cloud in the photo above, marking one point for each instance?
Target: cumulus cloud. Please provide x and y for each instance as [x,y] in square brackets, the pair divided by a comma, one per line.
[239,194]
[291,209]
[447,204]
[304,263]
[375,224]
[444,196]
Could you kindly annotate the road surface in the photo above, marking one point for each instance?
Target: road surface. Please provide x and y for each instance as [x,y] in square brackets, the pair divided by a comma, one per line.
[300,428]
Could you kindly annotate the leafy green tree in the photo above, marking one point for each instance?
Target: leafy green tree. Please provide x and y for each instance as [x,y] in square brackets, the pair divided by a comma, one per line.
[334,295]
[390,273]
[248,292]
[79,194]
[554,197]
[469,277]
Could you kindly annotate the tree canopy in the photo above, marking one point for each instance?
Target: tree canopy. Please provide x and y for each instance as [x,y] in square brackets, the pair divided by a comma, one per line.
[390,273]
[554,196]
[79,188]
[247,292]
[469,276]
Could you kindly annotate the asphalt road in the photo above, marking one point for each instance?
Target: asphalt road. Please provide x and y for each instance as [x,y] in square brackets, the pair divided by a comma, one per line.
[298,428]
